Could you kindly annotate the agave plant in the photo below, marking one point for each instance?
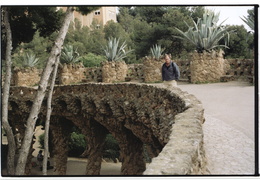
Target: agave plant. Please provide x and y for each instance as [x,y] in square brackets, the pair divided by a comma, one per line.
[156,51]
[249,21]
[69,55]
[113,51]
[30,60]
[206,34]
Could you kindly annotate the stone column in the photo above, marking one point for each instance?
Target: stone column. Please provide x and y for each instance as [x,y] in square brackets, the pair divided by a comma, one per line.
[207,67]
[114,71]
[60,128]
[131,154]
[152,70]
[96,135]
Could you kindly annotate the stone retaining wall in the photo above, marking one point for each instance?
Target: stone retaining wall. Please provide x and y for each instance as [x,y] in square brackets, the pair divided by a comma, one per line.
[72,74]
[240,68]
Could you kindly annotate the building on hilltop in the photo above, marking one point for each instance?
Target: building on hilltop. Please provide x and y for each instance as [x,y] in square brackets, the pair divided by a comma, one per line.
[102,15]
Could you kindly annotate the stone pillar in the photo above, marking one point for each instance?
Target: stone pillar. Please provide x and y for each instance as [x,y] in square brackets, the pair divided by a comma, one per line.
[26,76]
[60,128]
[207,66]
[114,71]
[131,147]
[96,135]
[152,70]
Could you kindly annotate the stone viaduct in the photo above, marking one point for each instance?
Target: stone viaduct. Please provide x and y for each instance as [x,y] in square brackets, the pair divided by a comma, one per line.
[168,122]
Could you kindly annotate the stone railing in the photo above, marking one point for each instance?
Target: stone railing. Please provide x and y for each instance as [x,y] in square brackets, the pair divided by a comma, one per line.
[168,122]
[184,153]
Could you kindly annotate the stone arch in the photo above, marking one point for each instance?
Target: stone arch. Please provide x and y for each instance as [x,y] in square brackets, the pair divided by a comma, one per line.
[134,114]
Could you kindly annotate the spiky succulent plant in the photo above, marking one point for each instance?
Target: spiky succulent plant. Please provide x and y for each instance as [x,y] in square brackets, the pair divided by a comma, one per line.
[156,51]
[69,55]
[29,60]
[113,51]
[206,34]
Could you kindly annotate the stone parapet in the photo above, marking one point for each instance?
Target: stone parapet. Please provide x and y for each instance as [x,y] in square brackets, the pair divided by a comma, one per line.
[184,153]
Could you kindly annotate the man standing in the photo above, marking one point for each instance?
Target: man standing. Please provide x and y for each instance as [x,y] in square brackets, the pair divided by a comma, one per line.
[170,72]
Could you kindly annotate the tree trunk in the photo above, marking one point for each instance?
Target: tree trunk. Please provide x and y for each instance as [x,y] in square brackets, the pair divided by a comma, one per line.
[48,116]
[31,121]
[6,90]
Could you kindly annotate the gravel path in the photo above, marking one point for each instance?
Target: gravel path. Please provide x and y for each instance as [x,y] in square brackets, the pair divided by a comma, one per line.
[229,126]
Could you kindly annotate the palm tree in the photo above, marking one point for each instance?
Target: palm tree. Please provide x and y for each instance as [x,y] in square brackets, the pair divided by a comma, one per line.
[205,34]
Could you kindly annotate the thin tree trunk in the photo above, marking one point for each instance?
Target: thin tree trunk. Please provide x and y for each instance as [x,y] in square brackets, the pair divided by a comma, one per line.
[48,116]
[6,90]
[31,121]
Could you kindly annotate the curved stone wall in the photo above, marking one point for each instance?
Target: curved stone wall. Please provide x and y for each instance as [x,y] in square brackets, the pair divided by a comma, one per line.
[169,122]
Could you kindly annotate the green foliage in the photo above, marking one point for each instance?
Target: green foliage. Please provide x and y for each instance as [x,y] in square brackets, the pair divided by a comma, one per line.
[87,9]
[242,43]
[29,60]
[92,60]
[113,51]
[205,34]
[156,51]
[77,144]
[111,148]
[41,141]
[69,55]
[26,20]
[39,46]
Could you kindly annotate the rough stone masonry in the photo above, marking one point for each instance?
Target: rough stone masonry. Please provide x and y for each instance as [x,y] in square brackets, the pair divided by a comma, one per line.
[168,122]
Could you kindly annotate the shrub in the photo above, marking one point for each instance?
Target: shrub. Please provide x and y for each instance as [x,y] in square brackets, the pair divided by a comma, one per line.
[77,144]
[92,60]
[111,148]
